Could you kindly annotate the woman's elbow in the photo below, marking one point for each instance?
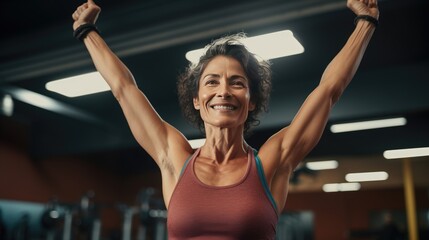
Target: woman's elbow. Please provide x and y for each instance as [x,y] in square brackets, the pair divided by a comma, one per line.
[120,88]
[333,92]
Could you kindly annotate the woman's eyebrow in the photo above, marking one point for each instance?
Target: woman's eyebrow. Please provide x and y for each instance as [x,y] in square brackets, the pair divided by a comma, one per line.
[238,76]
[211,75]
[230,78]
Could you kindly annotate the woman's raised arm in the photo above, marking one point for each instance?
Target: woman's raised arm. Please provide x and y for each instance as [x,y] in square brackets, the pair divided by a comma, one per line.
[163,142]
[294,142]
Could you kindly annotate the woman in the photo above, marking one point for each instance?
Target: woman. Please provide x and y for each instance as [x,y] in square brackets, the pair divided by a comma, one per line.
[226,189]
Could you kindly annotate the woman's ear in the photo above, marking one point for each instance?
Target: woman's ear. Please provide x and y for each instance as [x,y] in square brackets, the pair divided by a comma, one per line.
[196,104]
[251,106]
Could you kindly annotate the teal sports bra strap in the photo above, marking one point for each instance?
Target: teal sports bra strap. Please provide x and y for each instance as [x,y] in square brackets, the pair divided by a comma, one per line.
[261,174]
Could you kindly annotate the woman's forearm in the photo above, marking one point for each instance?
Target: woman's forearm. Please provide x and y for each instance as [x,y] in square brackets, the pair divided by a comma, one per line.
[343,67]
[113,70]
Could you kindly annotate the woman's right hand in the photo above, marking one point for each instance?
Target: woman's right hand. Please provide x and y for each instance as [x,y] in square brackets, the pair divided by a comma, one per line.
[364,7]
[86,13]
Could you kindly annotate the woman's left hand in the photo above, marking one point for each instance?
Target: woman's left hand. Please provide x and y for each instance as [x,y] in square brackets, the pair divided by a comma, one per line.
[364,7]
[86,13]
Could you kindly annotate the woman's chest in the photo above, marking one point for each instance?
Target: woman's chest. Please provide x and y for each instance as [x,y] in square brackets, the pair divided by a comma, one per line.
[219,175]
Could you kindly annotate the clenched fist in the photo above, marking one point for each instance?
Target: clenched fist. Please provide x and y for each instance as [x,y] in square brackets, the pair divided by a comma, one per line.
[86,13]
[364,7]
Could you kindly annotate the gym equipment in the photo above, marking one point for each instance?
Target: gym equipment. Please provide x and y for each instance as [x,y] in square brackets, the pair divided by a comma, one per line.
[151,217]
[51,219]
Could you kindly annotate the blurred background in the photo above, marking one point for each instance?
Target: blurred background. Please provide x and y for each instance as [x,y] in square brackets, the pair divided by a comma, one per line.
[70,168]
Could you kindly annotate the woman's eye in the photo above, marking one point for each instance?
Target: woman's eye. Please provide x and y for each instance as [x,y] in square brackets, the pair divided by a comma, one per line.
[211,82]
[238,84]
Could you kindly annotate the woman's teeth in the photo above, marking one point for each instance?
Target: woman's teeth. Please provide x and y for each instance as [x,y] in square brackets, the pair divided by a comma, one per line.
[223,107]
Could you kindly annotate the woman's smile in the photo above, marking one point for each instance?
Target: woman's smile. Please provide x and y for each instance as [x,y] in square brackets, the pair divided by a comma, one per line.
[223,107]
[224,92]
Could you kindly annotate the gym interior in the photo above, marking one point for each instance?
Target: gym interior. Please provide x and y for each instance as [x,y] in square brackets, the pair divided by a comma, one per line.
[71,169]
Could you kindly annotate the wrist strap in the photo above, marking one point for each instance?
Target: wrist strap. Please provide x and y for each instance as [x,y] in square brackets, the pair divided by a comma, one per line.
[368,18]
[83,30]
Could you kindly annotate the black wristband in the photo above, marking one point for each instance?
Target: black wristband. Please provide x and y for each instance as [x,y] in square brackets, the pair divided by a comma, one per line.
[368,18]
[83,30]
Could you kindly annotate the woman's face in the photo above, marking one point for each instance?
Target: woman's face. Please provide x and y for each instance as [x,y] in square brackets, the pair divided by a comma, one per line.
[223,95]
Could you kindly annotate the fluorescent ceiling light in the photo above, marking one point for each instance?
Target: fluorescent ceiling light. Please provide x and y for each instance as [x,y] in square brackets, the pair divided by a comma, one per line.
[367,176]
[406,153]
[6,106]
[356,126]
[341,187]
[37,100]
[196,143]
[50,104]
[322,165]
[267,46]
[79,85]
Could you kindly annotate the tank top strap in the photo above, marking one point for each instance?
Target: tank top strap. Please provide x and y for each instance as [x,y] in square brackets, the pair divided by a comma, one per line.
[191,157]
[261,174]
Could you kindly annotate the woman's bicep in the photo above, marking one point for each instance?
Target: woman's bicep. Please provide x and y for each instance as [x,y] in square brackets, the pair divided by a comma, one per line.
[147,127]
[307,127]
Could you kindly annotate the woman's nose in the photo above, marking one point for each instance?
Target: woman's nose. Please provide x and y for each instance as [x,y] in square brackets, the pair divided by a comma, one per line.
[224,91]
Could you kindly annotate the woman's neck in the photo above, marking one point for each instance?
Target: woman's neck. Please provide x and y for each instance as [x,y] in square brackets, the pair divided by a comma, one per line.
[224,144]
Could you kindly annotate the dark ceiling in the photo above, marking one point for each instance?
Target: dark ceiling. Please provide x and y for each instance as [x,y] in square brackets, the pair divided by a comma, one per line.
[152,37]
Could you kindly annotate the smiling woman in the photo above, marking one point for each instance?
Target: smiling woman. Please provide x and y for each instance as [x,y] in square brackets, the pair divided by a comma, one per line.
[226,189]
[223,98]
[255,74]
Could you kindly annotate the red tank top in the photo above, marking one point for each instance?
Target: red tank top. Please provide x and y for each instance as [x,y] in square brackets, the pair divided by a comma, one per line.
[244,210]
